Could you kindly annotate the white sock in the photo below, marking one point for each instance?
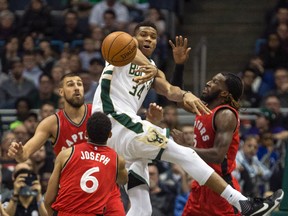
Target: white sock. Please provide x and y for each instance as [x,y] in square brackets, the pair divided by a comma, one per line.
[140,201]
[233,196]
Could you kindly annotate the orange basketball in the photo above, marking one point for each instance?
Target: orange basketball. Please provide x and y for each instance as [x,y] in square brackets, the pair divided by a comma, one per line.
[119,48]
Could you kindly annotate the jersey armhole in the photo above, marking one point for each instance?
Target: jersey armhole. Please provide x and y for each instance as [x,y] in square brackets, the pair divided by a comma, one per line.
[224,107]
[69,158]
[58,130]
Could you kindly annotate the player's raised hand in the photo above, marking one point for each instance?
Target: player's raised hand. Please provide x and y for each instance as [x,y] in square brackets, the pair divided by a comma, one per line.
[180,49]
[194,104]
[150,72]
[15,150]
[154,114]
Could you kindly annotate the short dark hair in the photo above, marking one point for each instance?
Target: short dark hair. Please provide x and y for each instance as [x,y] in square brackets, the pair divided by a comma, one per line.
[98,128]
[72,74]
[145,23]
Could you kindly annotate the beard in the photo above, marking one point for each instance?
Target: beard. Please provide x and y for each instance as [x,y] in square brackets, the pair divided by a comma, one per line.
[210,97]
[75,102]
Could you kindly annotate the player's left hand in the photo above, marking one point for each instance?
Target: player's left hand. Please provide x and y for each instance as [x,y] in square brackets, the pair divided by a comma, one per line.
[180,49]
[154,114]
[194,104]
[178,136]
[150,72]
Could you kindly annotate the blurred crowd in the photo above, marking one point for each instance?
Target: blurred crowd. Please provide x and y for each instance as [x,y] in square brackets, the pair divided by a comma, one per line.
[46,39]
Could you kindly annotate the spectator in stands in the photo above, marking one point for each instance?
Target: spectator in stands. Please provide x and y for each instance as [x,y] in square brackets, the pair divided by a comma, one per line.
[45,93]
[263,123]
[88,53]
[136,9]
[170,117]
[15,87]
[63,62]
[46,110]
[75,65]
[281,81]
[162,200]
[272,102]
[96,67]
[56,72]
[70,30]
[281,17]
[89,86]
[36,20]
[28,44]
[7,164]
[97,35]
[47,57]
[266,153]
[154,15]
[22,106]
[7,25]
[26,196]
[39,163]
[272,53]
[249,170]
[3,5]
[282,32]
[10,53]
[109,22]
[31,69]
[31,123]
[21,133]
[250,98]
[96,15]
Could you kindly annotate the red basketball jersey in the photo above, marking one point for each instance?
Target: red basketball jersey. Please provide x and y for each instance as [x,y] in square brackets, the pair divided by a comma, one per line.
[204,135]
[87,179]
[69,133]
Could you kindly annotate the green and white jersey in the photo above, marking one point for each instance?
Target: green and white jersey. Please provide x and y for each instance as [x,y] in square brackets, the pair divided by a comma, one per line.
[118,93]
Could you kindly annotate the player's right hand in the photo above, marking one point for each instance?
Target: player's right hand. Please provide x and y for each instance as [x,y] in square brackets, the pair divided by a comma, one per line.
[15,150]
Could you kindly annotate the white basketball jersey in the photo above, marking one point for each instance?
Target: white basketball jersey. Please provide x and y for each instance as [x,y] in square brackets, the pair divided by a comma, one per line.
[117,92]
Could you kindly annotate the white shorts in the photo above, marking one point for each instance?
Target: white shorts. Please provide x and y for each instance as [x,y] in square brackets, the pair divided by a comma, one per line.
[138,141]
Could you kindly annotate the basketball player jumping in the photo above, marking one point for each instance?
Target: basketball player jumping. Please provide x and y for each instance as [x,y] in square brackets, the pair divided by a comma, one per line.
[120,97]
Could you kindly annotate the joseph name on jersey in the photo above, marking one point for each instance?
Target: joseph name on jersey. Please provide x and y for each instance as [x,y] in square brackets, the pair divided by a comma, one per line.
[116,82]
[86,155]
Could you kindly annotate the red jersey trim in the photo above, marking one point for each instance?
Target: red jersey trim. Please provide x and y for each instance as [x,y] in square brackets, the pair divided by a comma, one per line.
[82,120]
[69,158]
[221,108]
[58,130]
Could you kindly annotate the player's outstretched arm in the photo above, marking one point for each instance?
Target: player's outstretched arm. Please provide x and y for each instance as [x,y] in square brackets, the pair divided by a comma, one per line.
[53,184]
[42,133]
[122,177]
[176,94]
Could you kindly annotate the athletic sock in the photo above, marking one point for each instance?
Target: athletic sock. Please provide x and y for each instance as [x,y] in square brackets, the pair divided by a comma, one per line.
[233,197]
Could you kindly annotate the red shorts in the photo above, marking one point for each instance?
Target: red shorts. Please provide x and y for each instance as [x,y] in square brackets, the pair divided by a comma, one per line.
[205,202]
[114,206]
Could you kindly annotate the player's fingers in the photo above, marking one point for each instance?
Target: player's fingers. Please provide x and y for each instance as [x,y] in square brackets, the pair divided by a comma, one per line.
[193,108]
[180,40]
[172,44]
[177,41]
[188,50]
[185,44]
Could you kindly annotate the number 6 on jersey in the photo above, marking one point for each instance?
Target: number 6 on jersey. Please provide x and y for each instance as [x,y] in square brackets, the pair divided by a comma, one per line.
[88,177]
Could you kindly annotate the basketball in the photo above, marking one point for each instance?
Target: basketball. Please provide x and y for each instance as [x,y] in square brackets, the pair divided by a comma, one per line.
[119,48]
